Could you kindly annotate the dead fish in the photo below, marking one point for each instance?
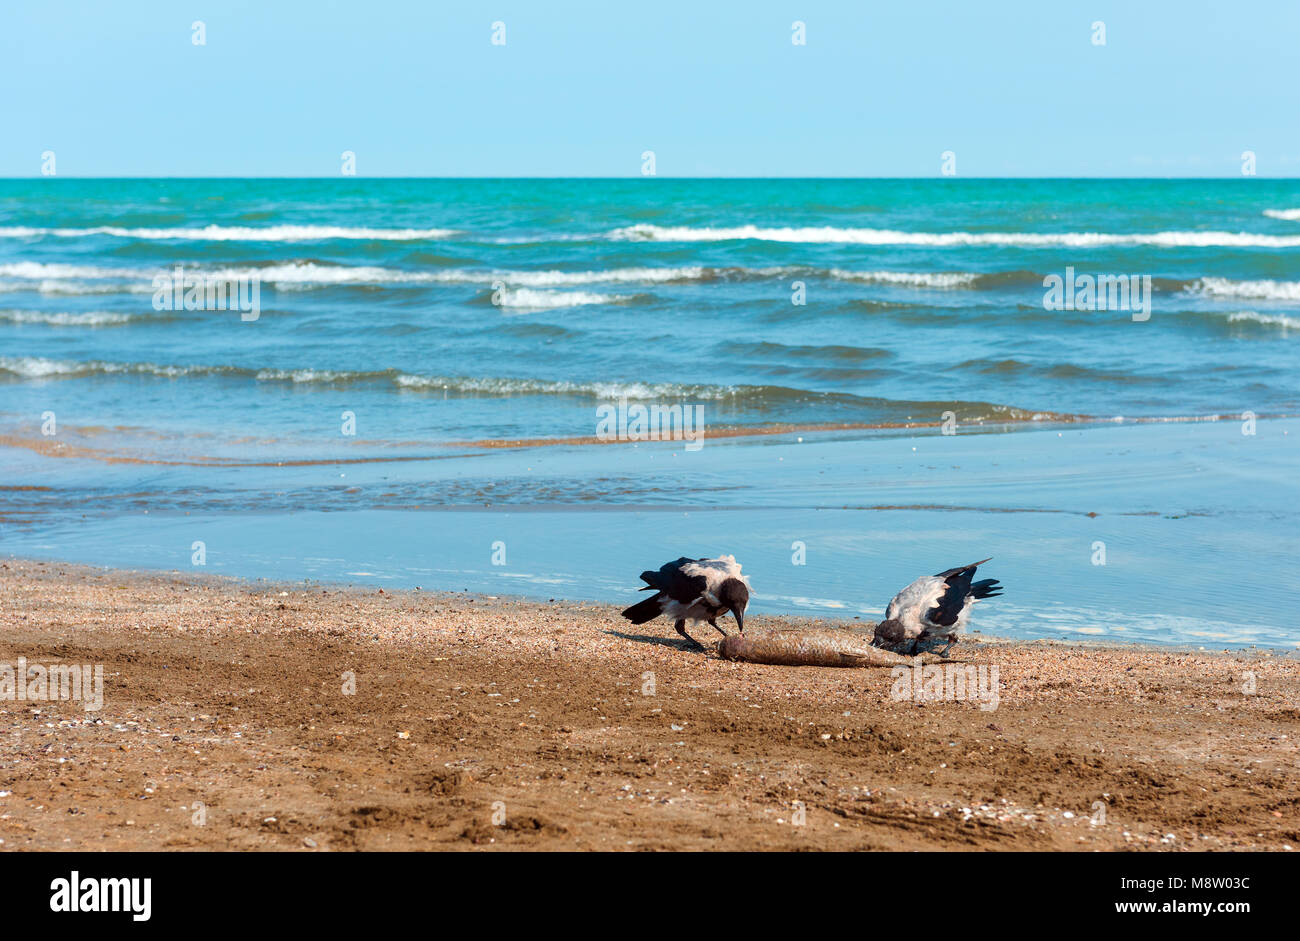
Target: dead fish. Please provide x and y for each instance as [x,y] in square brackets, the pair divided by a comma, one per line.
[820,648]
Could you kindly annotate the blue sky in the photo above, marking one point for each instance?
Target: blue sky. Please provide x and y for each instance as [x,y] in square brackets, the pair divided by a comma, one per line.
[713,88]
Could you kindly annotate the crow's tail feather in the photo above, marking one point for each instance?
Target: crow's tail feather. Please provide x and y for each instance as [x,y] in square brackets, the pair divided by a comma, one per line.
[986,588]
[644,611]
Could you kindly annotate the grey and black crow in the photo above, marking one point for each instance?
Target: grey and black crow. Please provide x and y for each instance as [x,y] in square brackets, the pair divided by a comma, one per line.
[932,610]
[694,590]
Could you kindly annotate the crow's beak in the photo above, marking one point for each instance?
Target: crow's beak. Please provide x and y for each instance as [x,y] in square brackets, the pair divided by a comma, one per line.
[739,615]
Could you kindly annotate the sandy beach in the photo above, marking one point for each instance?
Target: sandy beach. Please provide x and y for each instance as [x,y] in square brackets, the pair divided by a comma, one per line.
[256,716]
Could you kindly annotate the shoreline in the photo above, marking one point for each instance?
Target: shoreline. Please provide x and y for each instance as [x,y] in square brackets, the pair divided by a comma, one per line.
[1112,531]
[1041,420]
[776,620]
[226,693]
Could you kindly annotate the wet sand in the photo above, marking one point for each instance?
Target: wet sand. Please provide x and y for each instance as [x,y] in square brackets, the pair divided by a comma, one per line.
[497,723]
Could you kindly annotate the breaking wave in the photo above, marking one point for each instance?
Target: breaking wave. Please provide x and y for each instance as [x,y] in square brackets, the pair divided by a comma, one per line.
[831,234]
[94,318]
[533,299]
[1272,320]
[918,279]
[305,274]
[237,233]
[1261,290]
[746,396]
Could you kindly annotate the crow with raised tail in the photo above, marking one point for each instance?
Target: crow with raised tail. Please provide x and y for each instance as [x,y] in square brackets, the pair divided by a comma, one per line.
[932,610]
[694,590]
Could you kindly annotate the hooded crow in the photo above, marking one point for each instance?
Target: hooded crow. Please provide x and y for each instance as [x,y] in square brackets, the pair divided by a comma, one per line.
[694,590]
[932,610]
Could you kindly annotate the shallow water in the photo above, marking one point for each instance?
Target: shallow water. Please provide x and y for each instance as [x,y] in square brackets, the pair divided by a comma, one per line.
[1172,555]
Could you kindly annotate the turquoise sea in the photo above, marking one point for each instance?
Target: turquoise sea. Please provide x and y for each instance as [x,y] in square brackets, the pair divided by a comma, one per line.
[416,399]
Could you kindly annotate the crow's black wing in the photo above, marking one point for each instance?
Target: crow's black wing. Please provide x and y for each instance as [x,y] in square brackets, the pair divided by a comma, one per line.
[676,584]
[660,578]
[948,608]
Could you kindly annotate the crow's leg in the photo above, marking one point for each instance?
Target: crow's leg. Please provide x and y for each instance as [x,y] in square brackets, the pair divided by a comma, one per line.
[952,639]
[714,624]
[681,629]
[925,644]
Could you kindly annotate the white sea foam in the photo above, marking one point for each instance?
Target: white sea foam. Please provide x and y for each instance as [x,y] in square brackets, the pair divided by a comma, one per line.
[566,278]
[599,390]
[35,270]
[304,375]
[519,286]
[45,278]
[94,318]
[223,233]
[830,234]
[490,385]
[36,367]
[308,274]
[532,299]
[1262,290]
[920,279]
[293,273]
[52,286]
[63,278]
[1275,320]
